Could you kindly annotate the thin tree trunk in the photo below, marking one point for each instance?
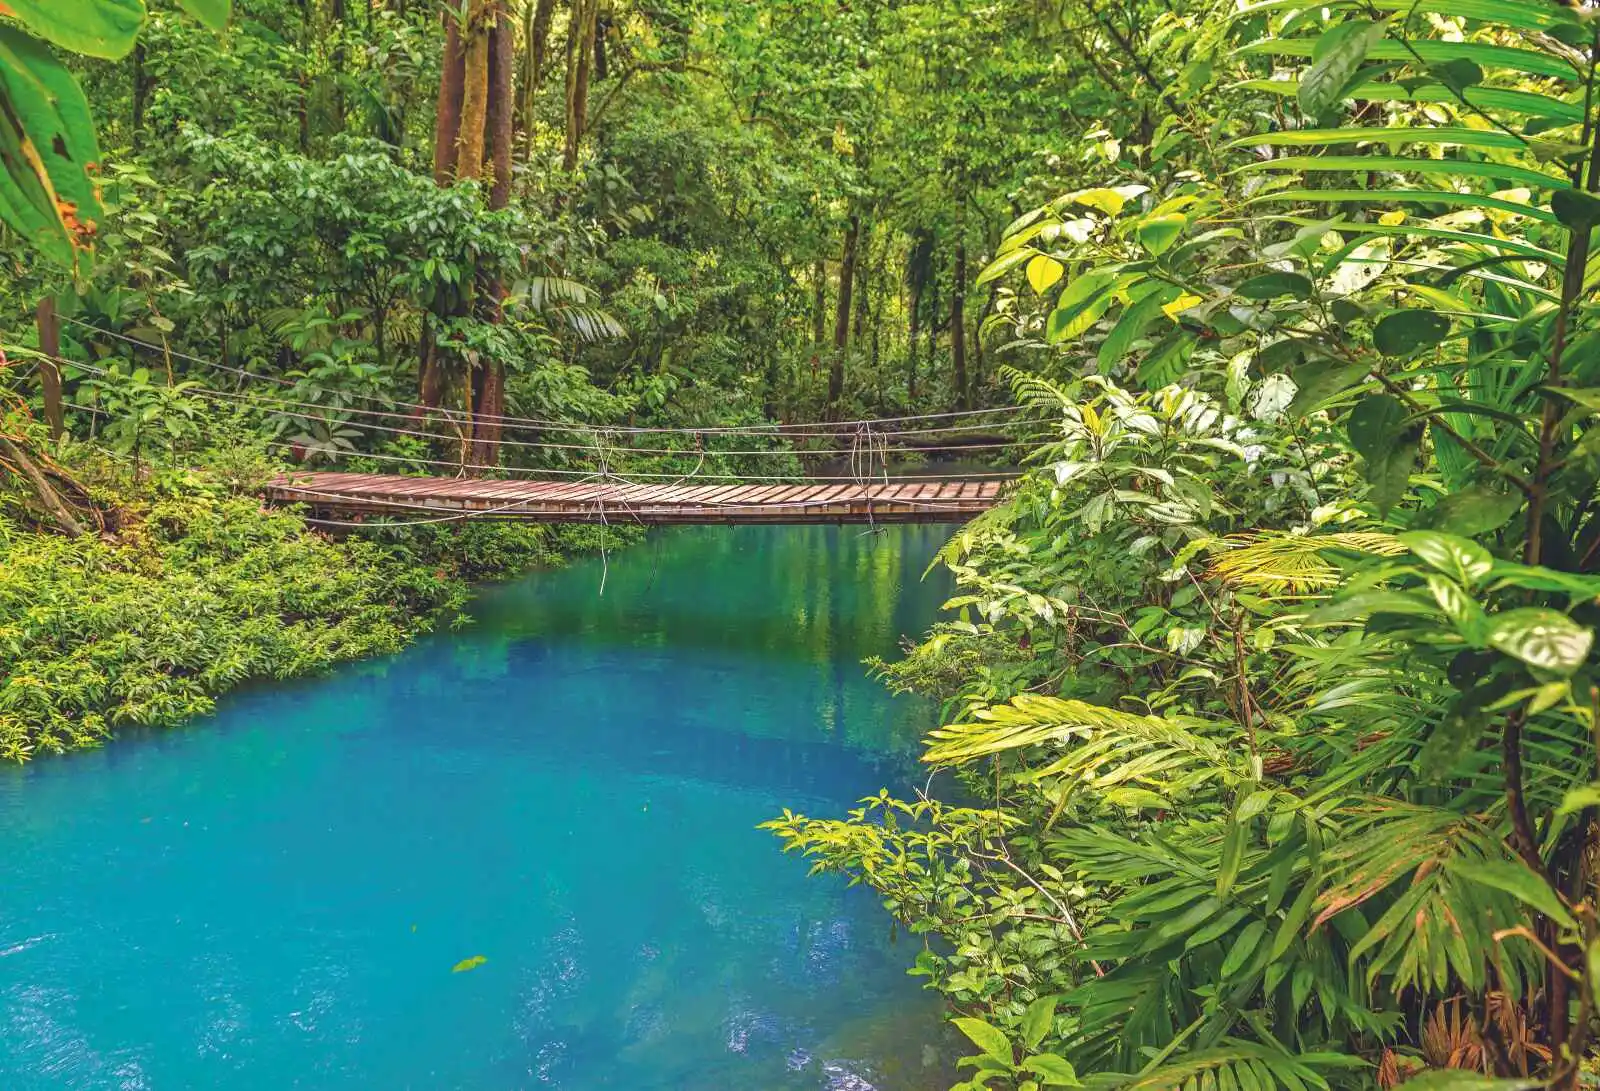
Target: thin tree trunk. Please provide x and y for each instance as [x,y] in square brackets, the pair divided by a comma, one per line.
[447,120]
[819,303]
[841,320]
[534,59]
[862,288]
[602,28]
[338,13]
[911,345]
[141,93]
[958,326]
[304,106]
[41,485]
[580,51]
[49,375]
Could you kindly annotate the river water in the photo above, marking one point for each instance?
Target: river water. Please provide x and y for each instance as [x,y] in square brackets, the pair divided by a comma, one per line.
[279,896]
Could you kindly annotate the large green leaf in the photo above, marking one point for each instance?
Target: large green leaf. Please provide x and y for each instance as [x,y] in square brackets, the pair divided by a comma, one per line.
[1443,135]
[1378,433]
[991,1039]
[1541,638]
[213,13]
[1404,332]
[1335,58]
[1430,52]
[1373,197]
[1133,322]
[48,150]
[1400,164]
[99,28]
[1522,103]
[1511,13]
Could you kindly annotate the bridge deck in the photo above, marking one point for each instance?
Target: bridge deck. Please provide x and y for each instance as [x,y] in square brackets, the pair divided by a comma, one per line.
[657,504]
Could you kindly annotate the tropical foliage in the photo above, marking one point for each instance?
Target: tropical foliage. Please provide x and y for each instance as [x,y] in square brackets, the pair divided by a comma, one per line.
[1272,691]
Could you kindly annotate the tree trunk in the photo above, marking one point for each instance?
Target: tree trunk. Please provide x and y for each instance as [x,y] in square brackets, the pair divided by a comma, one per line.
[911,344]
[978,368]
[958,322]
[49,375]
[474,94]
[580,50]
[447,118]
[862,292]
[502,102]
[933,323]
[491,380]
[141,93]
[534,59]
[602,28]
[338,14]
[841,319]
[304,106]
[819,303]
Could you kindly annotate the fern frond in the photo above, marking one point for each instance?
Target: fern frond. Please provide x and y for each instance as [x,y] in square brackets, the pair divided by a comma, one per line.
[1128,758]
[1293,562]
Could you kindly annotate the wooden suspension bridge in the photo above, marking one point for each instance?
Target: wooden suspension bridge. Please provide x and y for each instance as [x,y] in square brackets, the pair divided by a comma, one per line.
[347,495]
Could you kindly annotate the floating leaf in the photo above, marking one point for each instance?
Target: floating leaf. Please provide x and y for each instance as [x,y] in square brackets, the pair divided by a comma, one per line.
[468,964]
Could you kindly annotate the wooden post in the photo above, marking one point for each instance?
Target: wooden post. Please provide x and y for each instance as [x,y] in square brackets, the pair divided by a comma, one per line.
[49,375]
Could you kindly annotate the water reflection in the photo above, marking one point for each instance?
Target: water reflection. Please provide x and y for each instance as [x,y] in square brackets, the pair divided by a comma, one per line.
[569,788]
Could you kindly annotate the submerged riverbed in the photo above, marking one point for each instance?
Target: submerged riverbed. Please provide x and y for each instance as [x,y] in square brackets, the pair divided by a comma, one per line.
[279,896]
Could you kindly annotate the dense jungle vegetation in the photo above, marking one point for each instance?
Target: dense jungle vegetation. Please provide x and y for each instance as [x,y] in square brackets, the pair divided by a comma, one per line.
[1271,710]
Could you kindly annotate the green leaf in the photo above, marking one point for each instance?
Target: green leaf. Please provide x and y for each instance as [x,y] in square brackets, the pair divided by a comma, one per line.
[1458,558]
[98,28]
[1432,51]
[1461,1079]
[1335,59]
[1468,168]
[1158,233]
[1053,1070]
[1321,380]
[1133,322]
[213,13]
[1458,73]
[47,150]
[991,1039]
[468,964]
[1404,332]
[1541,638]
[1043,271]
[1475,510]
[1377,431]
[1272,285]
[1513,878]
[1007,262]
[1243,948]
[1575,208]
[1038,1019]
[1580,798]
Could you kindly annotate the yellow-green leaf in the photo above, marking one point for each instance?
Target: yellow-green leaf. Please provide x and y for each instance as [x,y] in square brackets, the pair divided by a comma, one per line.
[1043,271]
[468,964]
[99,28]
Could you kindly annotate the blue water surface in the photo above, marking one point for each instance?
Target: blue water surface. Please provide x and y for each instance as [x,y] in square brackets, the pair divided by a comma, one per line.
[277,896]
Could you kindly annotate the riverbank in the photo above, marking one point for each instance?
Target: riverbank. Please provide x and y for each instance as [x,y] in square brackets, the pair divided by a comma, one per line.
[197,587]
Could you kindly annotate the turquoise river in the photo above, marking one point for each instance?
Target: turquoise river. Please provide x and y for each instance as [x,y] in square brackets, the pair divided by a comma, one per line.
[280,896]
